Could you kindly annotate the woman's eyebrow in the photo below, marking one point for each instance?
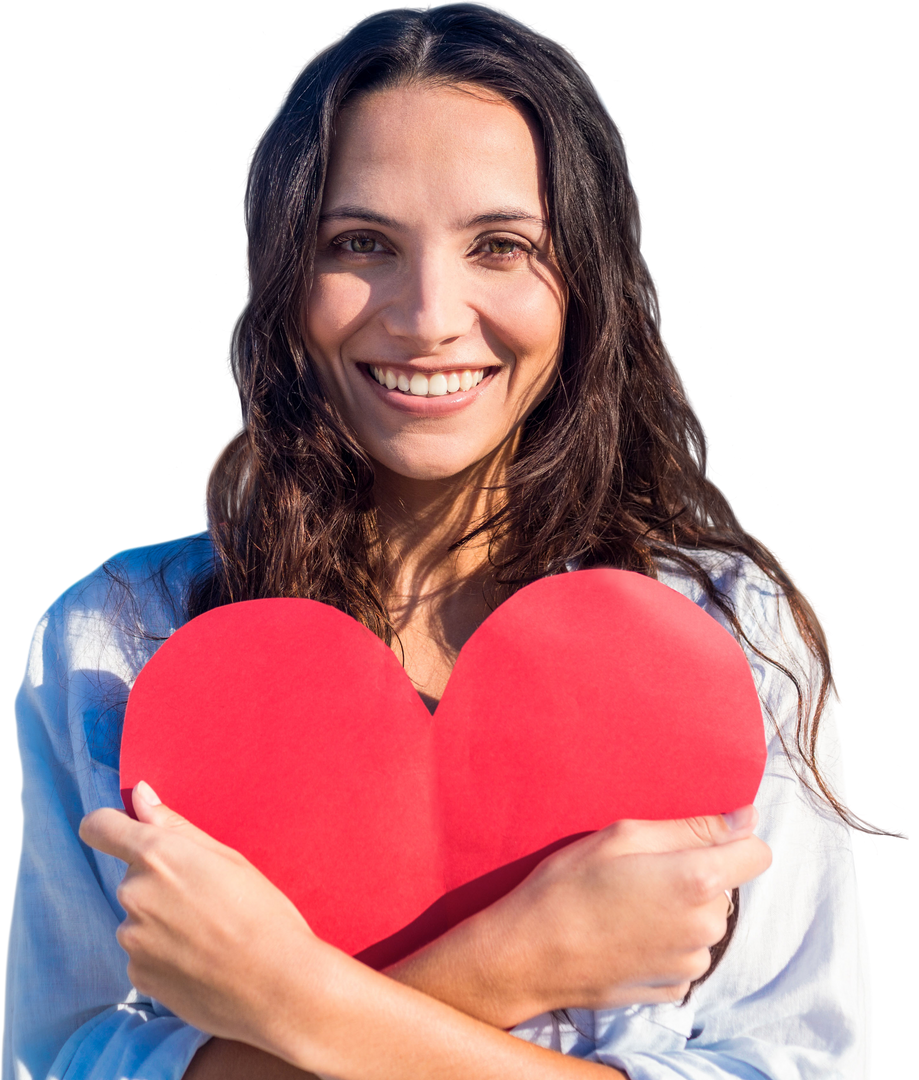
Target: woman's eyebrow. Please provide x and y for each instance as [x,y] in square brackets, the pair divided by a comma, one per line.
[363,213]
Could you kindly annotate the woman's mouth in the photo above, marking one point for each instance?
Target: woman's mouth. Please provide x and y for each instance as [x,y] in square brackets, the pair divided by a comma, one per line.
[434,384]
[443,392]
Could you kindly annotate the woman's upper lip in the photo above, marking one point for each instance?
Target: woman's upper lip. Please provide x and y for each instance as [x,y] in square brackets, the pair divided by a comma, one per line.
[427,367]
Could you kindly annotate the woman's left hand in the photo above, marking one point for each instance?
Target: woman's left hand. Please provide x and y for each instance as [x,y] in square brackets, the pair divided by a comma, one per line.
[205,932]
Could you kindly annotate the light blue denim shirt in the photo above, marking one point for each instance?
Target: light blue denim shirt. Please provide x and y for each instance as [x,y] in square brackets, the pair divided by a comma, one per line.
[783,1004]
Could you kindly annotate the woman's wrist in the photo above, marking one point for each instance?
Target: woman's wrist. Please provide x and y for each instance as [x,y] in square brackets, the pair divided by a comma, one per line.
[480,967]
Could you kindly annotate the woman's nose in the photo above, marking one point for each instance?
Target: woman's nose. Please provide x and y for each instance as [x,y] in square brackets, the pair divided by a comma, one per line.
[430,306]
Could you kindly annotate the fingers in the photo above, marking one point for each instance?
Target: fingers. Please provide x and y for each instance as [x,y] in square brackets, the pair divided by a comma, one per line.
[114,833]
[689,890]
[659,836]
[716,828]
[705,874]
[111,832]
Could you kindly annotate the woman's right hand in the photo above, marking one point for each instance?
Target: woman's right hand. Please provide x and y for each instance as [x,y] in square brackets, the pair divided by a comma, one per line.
[624,916]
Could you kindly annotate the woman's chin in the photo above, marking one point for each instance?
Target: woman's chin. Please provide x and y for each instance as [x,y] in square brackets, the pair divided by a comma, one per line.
[434,468]
[426,471]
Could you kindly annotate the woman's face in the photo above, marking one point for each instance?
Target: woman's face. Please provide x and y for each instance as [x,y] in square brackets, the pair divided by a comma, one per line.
[436,312]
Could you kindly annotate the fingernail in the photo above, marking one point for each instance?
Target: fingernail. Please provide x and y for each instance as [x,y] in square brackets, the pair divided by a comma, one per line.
[147,793]
[740,819]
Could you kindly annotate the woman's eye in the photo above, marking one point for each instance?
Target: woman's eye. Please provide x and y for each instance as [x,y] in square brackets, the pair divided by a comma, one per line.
[342,244]
[357,245]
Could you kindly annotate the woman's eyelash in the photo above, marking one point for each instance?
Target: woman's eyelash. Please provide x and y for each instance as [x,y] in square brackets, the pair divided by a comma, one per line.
[522,247]
[358,239]
[525,250]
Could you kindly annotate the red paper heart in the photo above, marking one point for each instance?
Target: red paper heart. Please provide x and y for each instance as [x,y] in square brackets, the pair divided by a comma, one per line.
[290,732]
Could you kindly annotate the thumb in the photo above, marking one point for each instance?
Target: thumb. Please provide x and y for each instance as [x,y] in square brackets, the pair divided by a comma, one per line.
[741,822]
[706,832]
[720,828]
[151,810]
[648,837]
[144,797]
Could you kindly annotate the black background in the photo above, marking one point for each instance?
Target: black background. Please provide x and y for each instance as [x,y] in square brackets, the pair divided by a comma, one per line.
[126,348]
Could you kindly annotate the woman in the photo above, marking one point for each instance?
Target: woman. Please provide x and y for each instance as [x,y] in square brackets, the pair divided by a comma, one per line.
[453,384]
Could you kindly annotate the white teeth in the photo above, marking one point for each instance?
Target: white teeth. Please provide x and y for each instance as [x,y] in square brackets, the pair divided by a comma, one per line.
[437,384]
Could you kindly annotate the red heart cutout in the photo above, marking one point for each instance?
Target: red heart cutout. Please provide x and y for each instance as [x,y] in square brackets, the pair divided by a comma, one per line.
[290,732]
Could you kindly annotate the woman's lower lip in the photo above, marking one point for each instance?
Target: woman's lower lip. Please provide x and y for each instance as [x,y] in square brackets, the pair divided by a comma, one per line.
[427,406]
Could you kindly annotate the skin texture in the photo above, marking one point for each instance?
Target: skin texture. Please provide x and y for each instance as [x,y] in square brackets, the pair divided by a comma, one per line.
[433,292]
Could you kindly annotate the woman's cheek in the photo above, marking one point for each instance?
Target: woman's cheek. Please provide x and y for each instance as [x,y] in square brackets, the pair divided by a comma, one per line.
[337,308]
[530,309]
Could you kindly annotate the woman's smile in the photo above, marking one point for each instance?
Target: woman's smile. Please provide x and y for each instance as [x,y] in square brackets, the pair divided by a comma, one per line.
[415,391]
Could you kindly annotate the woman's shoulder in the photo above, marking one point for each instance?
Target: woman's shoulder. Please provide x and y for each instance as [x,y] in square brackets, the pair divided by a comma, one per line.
[734,575]
[154,575]
[757,601]
[93,641]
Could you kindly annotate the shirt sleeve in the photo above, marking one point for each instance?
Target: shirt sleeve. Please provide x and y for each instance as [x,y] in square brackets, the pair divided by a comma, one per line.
[71,1012]
[793,997]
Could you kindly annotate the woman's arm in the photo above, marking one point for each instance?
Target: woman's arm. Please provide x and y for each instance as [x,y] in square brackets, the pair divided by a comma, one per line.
[403,1033]
[479,967]
[217,944]
[213,940]
[223,1059]
[484,966]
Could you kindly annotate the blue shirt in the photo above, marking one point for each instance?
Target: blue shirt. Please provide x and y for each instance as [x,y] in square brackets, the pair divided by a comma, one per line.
[783,1003]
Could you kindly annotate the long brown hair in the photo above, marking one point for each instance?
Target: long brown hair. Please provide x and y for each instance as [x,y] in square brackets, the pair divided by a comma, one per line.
[611,465]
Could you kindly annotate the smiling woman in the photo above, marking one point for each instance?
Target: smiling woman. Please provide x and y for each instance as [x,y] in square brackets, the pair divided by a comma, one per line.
[453,384]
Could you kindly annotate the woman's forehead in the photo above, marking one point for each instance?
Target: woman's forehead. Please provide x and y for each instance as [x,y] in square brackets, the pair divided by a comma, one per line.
[421,146]
[435,126]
